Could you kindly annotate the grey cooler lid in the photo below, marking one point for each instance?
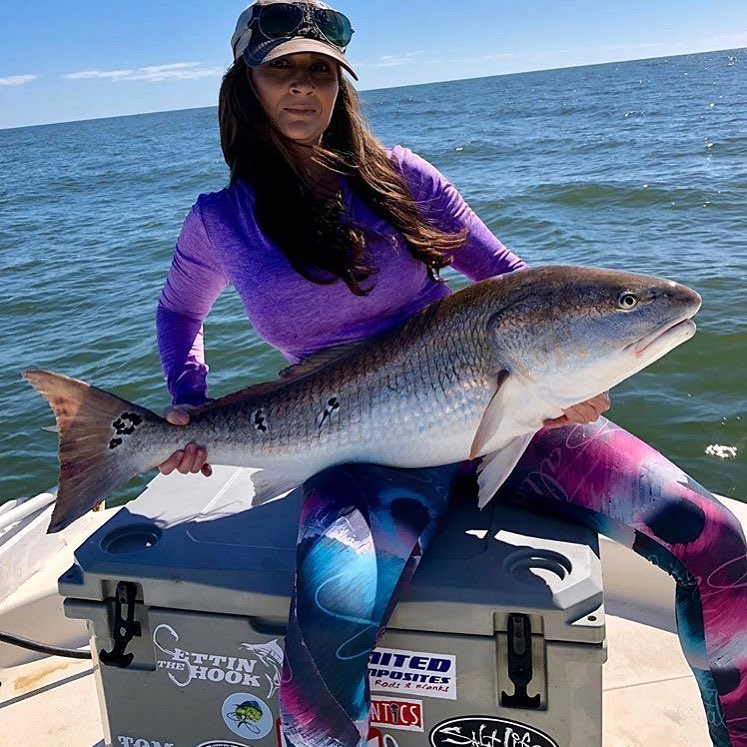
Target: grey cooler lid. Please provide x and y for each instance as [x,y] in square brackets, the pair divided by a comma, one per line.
[196,544]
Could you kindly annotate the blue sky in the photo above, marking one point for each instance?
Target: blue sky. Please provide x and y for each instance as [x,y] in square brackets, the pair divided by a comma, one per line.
[83,59]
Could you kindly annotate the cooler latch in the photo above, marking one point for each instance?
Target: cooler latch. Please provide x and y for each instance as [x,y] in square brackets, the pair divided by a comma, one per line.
[125,627]
[520,663]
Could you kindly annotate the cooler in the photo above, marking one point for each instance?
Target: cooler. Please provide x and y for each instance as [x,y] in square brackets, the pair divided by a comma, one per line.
[498,641]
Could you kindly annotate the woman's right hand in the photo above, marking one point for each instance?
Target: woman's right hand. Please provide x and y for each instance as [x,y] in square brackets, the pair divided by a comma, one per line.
[192,458]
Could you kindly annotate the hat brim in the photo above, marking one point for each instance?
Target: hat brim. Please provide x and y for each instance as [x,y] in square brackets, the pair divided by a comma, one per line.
[292,46]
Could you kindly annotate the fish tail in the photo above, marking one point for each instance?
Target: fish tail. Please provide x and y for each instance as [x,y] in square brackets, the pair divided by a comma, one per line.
[98,443]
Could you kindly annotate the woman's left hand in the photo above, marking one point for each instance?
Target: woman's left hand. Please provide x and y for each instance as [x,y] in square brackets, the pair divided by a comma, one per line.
[582,413]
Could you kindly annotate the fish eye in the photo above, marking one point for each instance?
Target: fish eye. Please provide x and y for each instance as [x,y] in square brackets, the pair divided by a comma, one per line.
[627,300]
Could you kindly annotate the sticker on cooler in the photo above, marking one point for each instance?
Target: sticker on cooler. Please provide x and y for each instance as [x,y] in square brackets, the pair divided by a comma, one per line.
[487,731]
[413,673]
[399,713]
[247,715]
[256,665]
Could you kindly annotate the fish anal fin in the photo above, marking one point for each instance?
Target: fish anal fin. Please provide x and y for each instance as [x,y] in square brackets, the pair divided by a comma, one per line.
[491,418]
[269,485]
[498,465]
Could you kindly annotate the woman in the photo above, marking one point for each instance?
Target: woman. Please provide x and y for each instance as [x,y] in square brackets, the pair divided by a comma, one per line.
[329,238]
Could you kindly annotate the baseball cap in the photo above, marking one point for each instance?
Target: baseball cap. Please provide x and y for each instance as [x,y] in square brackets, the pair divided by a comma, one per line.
[268,29]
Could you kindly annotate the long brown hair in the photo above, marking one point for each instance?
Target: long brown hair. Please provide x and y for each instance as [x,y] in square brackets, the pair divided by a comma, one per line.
[319,240]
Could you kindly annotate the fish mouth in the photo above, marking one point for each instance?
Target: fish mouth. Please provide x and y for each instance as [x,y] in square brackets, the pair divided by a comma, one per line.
[665,337]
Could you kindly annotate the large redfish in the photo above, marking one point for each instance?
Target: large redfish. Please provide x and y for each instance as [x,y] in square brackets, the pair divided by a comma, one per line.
[475,374]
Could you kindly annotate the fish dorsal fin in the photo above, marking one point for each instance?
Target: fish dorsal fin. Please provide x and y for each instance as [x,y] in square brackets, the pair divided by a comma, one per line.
[491,418]
[315,362]
[320,359]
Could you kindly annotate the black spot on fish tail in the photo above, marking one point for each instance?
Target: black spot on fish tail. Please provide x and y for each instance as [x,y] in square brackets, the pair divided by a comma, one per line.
[126,423]
[114,443]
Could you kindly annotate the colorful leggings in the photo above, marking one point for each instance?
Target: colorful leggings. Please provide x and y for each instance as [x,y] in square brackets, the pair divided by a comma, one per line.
[364,528]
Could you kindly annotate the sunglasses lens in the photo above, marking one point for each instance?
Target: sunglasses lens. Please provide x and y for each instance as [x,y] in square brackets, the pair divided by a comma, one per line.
[279,20]
[335,26]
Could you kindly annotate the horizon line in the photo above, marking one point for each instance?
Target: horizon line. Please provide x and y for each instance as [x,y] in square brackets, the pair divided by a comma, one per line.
[388,88]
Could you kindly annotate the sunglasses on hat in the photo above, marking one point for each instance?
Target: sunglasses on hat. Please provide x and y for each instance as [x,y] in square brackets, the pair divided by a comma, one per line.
[280,20]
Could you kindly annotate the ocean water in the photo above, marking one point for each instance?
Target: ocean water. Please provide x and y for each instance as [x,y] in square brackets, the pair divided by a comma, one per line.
[637,165]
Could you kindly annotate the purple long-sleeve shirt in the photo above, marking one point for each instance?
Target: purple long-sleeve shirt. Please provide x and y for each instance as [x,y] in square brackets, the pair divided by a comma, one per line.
[221,244]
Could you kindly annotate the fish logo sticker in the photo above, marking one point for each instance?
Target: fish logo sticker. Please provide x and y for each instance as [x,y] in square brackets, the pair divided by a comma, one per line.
[247,716]
[259,667]
[271,656]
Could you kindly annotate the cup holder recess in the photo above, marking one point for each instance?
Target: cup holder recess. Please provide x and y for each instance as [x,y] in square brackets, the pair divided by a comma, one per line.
[528,563]
[132,538]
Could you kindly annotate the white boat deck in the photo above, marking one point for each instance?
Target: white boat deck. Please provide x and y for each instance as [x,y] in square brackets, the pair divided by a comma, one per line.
[650,697]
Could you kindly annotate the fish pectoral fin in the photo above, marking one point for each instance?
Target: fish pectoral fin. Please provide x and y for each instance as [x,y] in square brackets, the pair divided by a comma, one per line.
[269,485]
[498,465]
[491,418]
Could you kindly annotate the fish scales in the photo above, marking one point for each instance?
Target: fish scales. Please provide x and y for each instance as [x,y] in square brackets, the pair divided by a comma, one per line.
[394,390]
[473,375]
[398,390]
